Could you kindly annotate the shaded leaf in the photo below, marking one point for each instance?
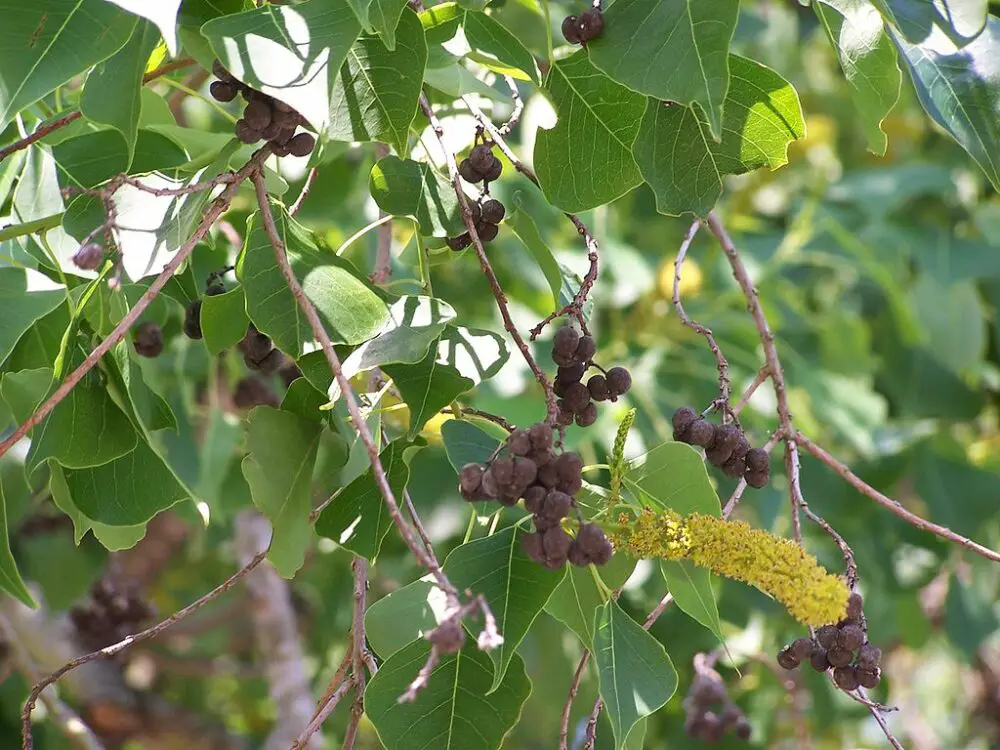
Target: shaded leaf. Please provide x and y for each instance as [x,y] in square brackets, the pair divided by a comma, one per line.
[224,320]
[487,35]
[577,598]
[960,20]
[42,46]
[404,615]
[375,97]
[385,17]
[868,59]
[25,297]
[113,538]
[350,310]
[112,93]
[92,158]
[671,50]
[357,519]
[673,476]
[293,53]
[960,89]
[453,712]
[282,452]
[598,120]
[635,673]
[691,588]
[162,13]
[466,443]
[403,187]
[10,577]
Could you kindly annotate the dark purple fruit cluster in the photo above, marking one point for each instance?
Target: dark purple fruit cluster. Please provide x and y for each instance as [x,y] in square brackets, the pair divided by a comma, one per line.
[725,447]
[148,340]
[584,27]
[574,354]
[89,257]
[480,165]
[528,468]
[487,215]
[192,313]
[843,647]
[264,117]
[710,713]
[109,615]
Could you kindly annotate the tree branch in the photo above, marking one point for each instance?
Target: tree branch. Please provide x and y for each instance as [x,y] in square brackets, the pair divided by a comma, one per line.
[217,208]
[359,646]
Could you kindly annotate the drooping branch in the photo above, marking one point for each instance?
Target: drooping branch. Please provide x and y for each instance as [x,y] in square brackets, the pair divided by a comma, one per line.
[484,263]
[215,210]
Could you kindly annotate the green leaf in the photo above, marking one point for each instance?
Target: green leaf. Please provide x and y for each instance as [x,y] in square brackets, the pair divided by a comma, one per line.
[488,36]
[85,429]
[39,346]
[466,443]
[48,42]
[868,59]
[454,711]
[960,20]
[162,13]
[25,297]
[404,615]
[114,538]
[293,53]
[969,617]
[403,187]
[414,324]
[671,50]
[960,89]
[635,673]
[598,120]
[357,519]
[10,577]
[673,476]
[691,588]
[224,320]
[385,17]
[375,97]
[577,598]
[441,21]
[350,310]
[515,586]
[952,322]
[144,405]
[90,159]
[112,94]
[128,491]
[684,167]
[282,453]
[427,387]
[560,280]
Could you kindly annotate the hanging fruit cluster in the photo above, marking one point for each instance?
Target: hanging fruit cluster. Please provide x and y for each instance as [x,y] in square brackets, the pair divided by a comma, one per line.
[725,446]
[109,615]
[704,720]
[584,27]
[264,117]
[527,467]
[574,353]
[487,215]
[843,647]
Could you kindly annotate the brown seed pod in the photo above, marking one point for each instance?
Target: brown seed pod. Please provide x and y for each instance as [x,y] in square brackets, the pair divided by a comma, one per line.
[869,656]
[148,340]
[257,114]
[468,172]
[493,211]
[787,659]
[802,648]
[587,416]
[846,678]
[851,637]
[89,257]
[827,636]
[571,29]
[301,144]
[819,660]
[839,657]
[869,678]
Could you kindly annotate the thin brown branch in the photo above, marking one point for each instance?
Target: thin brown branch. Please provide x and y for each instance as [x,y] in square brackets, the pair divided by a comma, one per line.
[117,648]
[891,505]
[323,713]
[215,210]
[721,363]
[515,117]
[304,193]
[574,688]
[417,523]
[742,277]
[484,263]
[358,420]
[575,307]
[71,725]
[71,117]
[494,418]
[762,375]
[359,646]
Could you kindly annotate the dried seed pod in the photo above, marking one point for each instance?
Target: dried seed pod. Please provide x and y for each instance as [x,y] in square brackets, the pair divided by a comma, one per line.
[757,460]
[819,660]
[487,232]
[598,387]
[481,157]
[787,659]
[683,418]
[869,678]
[869,656]
[587,416]
[827,636]
[846,678]
[247,133]
[493,211]
[802,648]
[468,172]
[148,340]
[701,433]
[619,381]
[851,637]
[494,171]
[89,257]
[839,657]
[257,114]
[855,606]
[586,349]
[460,242]
[301,144]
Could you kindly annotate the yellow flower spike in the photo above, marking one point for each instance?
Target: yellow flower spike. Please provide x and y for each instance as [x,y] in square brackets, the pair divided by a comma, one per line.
[736,550]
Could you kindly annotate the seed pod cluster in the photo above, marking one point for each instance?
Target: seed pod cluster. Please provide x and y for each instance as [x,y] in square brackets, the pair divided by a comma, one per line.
[254,391]
[89,257]
[109,615]
[574,353]
[528,468]
[725,447]
[584,27]
[148,340]
[487,215]
[264,117]
[710,713]
[480,165]
[843,647]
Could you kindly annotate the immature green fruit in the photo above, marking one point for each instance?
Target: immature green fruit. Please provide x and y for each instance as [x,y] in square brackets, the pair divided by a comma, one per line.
[301,144]
[148,340]
[493,211]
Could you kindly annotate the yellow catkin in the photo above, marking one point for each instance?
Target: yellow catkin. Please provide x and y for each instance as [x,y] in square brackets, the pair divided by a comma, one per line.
[736,550]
